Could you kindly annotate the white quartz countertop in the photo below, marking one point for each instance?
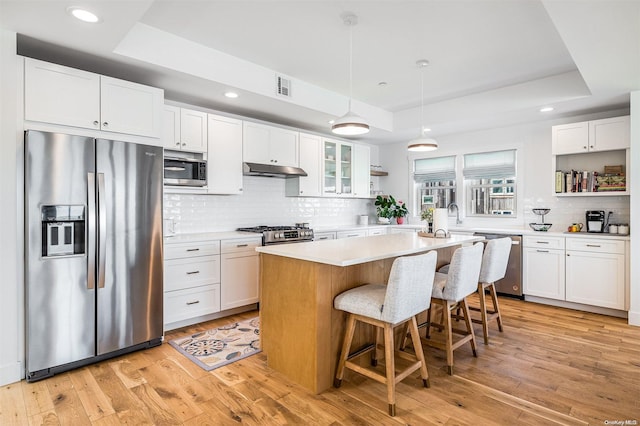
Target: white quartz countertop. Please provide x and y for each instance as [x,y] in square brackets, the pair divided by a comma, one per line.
[209,236]
[353,251]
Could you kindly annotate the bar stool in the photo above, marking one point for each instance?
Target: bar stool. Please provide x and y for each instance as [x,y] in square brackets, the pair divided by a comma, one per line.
[386,307]
[494,268]
[450,291]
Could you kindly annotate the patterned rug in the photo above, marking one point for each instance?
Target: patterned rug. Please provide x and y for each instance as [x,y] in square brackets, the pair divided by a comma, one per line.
[223,345]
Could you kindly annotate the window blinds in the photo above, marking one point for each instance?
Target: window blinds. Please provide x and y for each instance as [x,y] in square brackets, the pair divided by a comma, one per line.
[490,165]
[434,169]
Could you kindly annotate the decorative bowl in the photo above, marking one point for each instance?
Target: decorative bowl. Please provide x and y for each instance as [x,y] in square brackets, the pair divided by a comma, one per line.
[541,211]
[384,220]
[540,226]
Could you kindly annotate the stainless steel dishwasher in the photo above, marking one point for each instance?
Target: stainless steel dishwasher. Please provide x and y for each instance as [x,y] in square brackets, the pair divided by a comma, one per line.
[511,284]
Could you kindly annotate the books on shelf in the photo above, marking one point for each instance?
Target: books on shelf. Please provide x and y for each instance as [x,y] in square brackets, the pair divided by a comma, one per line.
[588,181]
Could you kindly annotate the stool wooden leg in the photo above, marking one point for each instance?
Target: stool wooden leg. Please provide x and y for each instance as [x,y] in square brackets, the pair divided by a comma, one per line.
[496,307]
[346,346]
[389,348]
[446,307]
[374,353]
[467,320]
[417,346]
[483,313]
[428,331]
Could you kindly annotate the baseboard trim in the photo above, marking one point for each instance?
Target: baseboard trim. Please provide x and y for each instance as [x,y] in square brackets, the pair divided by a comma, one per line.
[577,306]
[11,373]
[634,318]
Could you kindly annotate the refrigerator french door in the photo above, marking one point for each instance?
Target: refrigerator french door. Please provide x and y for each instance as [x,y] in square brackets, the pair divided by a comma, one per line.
[93,243]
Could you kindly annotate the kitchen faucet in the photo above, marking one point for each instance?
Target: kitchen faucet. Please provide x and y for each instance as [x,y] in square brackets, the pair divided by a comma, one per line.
[450,207]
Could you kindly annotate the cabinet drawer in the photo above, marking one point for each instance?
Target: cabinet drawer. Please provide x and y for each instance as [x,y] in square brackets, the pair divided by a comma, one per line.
[186,273]
[201,248]
[596,245]
[190,303]
[241,245]
[543,242]
[377,231]
[318,236]
[351,234]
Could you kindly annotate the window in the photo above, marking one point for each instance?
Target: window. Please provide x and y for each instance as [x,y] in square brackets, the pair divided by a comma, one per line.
[490,181]
[434,182]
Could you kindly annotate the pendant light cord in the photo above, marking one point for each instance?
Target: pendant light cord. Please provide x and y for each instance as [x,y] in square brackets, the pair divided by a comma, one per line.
[422,101]
[350,63]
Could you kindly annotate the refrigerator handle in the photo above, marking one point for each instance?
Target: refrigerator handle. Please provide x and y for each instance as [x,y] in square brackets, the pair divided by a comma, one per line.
[102,230]
[91,231]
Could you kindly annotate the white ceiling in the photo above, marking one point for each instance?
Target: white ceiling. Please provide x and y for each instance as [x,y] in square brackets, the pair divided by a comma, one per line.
[493,63]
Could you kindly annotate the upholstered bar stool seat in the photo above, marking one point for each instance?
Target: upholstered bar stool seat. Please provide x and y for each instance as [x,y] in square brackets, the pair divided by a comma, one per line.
[387,307]
[450,291]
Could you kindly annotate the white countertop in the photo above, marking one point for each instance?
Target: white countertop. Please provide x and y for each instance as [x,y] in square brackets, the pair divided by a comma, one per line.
[208,236]
[353,251]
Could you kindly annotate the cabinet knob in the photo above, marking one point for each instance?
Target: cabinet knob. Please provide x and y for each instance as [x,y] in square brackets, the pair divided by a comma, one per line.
[584,147]
[105,124]
[590,146]
[96,123]
[177,143]
[301,192]
[240,189]
[184,144]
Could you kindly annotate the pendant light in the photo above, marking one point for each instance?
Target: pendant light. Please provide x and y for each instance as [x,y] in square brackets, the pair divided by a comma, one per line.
[422,143]
[350,124]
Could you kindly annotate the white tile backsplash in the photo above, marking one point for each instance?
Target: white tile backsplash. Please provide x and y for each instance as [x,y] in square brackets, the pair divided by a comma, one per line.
[263,203]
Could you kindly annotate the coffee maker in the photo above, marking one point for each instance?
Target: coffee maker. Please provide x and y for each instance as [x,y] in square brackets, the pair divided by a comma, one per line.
[595,221]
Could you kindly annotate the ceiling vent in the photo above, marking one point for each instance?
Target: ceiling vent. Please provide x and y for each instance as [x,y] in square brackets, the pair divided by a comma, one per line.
[283,86]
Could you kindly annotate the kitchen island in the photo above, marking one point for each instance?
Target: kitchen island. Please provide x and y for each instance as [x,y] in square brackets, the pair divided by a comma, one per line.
[301,333]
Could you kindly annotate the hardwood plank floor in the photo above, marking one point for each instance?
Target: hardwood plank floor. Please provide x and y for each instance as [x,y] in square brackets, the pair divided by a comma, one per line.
[550,366]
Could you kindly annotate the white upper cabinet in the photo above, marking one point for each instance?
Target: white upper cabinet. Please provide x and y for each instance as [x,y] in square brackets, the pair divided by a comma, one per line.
[269,145]
[591,136]
[184,129]
[337,168]
[361,171]
[61,95]
[70,97]
[224,155]
[310,162]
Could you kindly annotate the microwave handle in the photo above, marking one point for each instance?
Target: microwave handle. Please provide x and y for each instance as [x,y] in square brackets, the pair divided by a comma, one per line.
[186,160]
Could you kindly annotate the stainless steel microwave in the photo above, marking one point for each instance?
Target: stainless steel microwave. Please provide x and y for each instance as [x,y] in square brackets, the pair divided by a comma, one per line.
[185,171]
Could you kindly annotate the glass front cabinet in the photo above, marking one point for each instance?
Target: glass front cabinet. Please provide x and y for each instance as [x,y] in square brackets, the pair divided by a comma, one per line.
[338,168]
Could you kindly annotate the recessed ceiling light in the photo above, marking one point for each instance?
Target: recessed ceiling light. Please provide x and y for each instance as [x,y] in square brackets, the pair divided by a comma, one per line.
[332,121]
[83,15]
[231,95]
[546,109]
[382,83]
[426,129]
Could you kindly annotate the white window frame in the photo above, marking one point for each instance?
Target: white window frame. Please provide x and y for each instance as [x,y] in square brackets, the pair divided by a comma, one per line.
[501,165]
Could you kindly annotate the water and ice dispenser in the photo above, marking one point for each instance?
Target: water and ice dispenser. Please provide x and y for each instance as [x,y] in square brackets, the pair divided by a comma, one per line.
[63,230]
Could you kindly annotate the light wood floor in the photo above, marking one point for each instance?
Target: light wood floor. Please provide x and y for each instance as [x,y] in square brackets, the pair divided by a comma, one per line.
[550,366]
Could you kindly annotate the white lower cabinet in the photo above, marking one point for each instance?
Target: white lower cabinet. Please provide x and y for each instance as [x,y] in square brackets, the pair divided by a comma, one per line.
[595,272]
[191,280]
[240,272]
[319,236]
[351,234]
[543,270]
[589,271]
[376,231]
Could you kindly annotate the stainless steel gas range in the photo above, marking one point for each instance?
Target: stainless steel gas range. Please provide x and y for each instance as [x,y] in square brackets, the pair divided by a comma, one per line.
[282,234]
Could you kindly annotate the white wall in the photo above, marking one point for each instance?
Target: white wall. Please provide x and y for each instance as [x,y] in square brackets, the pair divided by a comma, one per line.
[535,174]
[634,308]
[11,290]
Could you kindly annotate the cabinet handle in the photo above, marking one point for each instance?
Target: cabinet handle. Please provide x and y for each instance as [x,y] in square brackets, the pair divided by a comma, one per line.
[352,235]
[105,124]
[242,245]
[542,251]
[195,249]
[96,123]
[593,245]
[193,303]
[323,238]
[542,242]
[193,272]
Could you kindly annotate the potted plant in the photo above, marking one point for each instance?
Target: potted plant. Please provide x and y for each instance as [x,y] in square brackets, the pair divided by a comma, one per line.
[385,207]
[400,212]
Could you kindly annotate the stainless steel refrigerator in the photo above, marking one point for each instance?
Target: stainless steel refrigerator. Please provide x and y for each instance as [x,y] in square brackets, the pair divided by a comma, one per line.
[93,250]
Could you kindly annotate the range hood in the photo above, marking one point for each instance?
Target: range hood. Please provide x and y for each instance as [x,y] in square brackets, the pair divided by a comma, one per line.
[271,170]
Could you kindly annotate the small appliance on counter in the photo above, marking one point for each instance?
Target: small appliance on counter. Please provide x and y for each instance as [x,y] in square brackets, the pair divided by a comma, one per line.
[595,220]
